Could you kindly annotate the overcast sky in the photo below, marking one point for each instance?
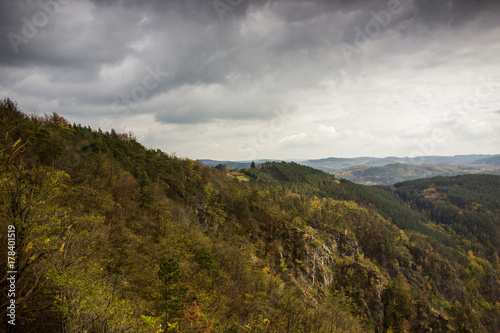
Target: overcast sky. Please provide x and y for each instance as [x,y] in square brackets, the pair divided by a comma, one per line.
[278,79]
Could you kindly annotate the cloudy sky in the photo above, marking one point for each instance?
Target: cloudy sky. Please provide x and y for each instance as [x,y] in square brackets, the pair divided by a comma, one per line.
[277,79]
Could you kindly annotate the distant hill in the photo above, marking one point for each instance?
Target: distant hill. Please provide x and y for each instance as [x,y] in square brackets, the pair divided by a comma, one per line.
[334,164]
[393,173]
[390,170]
[491,161]
[231,165]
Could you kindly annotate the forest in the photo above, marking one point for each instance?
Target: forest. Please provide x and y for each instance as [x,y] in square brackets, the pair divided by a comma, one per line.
[111,236]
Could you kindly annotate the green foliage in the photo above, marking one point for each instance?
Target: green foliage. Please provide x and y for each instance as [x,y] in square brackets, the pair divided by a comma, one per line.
[173,291]
[468,204]
[258,175]
[223,169]
[206,259]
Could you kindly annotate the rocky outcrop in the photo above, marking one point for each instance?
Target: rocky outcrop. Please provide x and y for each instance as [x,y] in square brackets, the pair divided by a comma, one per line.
[430,320]
[337,265]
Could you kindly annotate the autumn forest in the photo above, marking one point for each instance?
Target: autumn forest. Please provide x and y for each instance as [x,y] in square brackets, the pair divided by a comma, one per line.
[111,236]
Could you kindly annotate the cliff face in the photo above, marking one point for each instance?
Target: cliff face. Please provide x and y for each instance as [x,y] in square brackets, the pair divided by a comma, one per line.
[337,266]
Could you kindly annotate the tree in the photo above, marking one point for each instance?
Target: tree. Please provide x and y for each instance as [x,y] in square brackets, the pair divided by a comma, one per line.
[145,191]
[252,165]
[223,169]
[194,322]
[173,292]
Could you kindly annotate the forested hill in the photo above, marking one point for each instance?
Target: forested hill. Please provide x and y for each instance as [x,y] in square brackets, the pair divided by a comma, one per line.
[114,237]
[467,204]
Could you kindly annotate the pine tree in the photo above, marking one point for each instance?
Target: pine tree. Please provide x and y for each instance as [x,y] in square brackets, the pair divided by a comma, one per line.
[173,292]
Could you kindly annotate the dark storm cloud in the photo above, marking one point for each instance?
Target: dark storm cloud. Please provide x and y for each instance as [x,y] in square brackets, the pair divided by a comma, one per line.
[118,23]
[68,38]
[238,61]
[456,12]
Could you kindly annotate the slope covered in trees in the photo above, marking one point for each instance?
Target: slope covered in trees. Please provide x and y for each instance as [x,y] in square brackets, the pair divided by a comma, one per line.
[111,237]
[468,205]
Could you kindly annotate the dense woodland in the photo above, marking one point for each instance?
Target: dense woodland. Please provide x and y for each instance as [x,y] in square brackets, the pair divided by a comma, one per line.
[114,237]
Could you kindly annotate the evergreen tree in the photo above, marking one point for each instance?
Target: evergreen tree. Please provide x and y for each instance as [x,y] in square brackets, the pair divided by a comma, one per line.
[173,292]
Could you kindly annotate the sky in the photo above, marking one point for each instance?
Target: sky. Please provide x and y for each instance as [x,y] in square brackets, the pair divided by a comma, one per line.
[257,79]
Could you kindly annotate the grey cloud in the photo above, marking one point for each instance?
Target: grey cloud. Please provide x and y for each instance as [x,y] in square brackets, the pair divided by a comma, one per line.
[455,12]
[192,105]
[263,55]
[66,40]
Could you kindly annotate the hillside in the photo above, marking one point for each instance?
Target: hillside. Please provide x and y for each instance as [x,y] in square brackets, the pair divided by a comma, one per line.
[113,237]
[468,205]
